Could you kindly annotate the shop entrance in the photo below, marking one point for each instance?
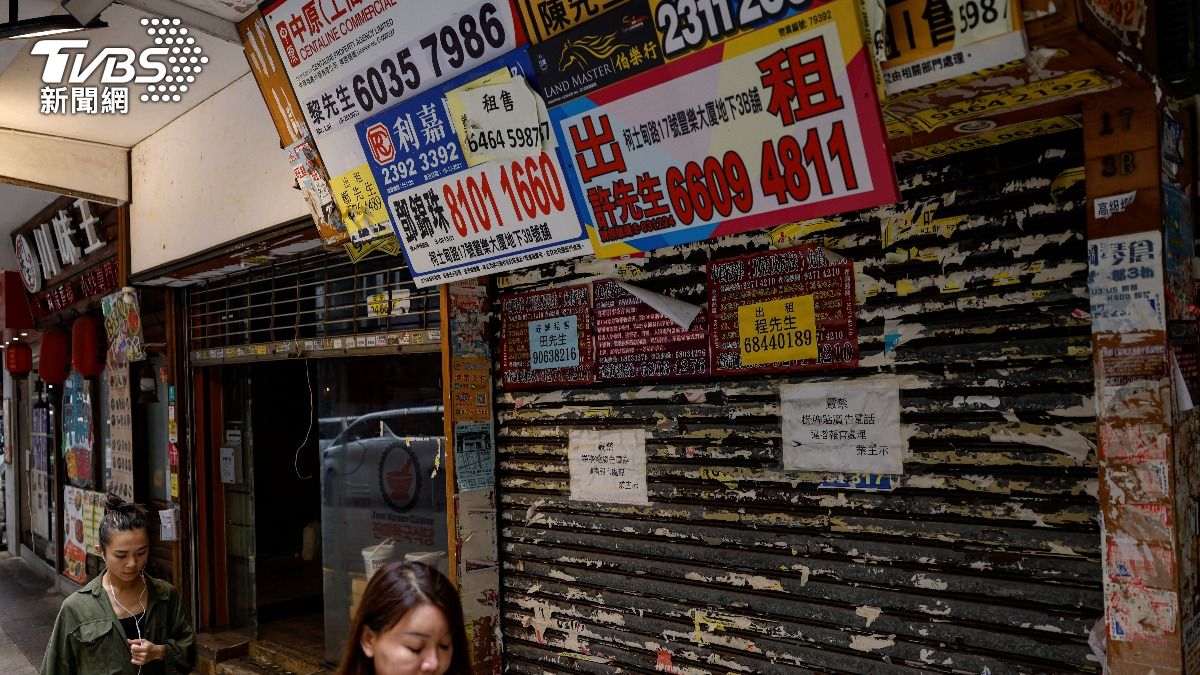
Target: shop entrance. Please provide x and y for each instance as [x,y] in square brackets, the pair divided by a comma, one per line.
[330,466]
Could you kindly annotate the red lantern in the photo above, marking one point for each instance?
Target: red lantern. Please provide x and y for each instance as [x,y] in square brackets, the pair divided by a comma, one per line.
[88,345]
[18,360]
[54,357]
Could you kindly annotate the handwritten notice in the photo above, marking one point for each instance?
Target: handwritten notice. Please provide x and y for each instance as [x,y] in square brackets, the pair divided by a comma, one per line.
[608,465]
[851,427]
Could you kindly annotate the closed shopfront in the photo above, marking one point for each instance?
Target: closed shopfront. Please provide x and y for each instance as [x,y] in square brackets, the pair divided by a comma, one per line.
[982,556]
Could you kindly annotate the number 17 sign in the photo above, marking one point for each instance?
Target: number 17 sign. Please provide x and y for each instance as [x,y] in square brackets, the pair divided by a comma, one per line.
[777,125]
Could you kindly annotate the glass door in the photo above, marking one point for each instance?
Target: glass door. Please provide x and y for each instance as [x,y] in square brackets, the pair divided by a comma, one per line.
[383,490]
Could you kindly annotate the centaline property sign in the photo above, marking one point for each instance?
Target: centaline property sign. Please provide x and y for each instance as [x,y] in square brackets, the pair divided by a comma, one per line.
[777,125]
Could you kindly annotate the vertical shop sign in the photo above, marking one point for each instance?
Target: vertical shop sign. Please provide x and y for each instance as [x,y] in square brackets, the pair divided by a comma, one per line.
[544,361]
[74,551]
[926,42]
[779,125]
[123,323]
[791,309]
[635,341]
[77,430]
[120,426]
[616,46]
[1124,283]
[346,62]
[608,465]
[842,426]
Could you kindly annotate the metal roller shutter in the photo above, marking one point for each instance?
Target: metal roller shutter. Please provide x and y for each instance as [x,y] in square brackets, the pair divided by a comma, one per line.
[985,557]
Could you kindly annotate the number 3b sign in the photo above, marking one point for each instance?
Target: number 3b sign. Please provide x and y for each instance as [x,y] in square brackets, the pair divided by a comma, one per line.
[778,125]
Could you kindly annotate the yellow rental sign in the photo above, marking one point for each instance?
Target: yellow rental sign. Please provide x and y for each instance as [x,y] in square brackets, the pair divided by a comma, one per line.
[778,331]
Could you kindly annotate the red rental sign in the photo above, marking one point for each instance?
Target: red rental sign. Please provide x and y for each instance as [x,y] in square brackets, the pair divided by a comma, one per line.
[635,342]
[767,307]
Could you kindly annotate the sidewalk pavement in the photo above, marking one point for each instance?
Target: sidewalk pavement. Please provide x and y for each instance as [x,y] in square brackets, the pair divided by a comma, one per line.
[28,604]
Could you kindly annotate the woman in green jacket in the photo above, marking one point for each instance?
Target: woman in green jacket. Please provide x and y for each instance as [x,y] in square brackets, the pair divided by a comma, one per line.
[123,622]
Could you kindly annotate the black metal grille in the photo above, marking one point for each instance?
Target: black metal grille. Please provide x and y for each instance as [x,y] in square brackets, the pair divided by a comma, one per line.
[308,297]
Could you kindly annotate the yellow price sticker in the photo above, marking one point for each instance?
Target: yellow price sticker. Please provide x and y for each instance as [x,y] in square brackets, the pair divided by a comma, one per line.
[778,331]
[361,204]
[1024,96]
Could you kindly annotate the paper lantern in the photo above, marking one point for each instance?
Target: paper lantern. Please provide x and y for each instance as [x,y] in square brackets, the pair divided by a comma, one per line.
[88,345]
[54,357]
[18,360]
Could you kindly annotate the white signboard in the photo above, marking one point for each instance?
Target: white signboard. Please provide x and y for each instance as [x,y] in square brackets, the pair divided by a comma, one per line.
[490,218]
[346,60]
[850,427]
[1125,283]
[608,466]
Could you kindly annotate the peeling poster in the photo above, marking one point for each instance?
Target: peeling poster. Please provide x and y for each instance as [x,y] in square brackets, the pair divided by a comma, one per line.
[1125,283]
[608,465]
[851,427]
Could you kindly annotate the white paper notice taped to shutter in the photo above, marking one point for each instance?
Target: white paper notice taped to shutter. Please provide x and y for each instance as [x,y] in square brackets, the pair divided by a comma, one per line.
[608,465]
[845,427]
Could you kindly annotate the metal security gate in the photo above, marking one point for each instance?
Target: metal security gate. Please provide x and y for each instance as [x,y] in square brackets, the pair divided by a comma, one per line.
[985,558]
[318,305]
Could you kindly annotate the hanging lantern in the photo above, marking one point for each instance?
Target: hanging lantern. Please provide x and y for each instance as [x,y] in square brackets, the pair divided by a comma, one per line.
[18,360]
[88,345]
[54,357]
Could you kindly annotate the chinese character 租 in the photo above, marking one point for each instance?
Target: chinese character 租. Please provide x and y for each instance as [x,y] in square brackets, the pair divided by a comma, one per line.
[800,82]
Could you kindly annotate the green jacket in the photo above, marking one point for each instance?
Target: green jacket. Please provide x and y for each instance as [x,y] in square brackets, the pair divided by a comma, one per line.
[89,640]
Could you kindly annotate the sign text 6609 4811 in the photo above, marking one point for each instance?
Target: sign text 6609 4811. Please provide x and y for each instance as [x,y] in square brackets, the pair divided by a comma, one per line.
[775,126]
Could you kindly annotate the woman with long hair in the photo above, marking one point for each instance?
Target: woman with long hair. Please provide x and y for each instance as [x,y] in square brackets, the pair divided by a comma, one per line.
[123,621]
[409,622]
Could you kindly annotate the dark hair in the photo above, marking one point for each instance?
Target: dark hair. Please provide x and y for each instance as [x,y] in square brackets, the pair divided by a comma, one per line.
[393,591]
[122,516]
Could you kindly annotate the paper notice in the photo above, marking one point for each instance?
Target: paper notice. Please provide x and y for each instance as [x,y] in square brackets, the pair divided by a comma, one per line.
[608,466]
[1125,283]
[851,427]
[499,121]
[1106,207]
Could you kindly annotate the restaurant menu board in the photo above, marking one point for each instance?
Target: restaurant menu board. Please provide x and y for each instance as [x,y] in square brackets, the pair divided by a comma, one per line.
[778,125]
[546,338]
[613,47]
[74,548]
[456,220]
[785,310]
[635,342]
[349,60]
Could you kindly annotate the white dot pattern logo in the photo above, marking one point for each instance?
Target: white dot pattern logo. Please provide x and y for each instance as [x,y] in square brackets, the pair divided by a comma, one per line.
[169,34]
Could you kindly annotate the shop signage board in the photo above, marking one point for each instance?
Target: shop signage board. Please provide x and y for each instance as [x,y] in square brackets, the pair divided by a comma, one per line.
[546,338]
[544,19]
[123,323]
[685,26]
[925,42]
[783,310]
[457,221]
[635,341]
[347,62]
[66,258]
[617,45]
[774,126]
